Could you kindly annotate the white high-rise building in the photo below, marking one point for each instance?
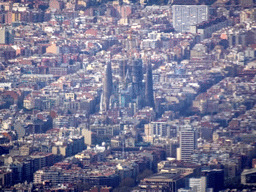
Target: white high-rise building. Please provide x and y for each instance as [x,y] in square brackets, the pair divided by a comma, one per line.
[6,36]
[186,15]
[198,184]
[188,143]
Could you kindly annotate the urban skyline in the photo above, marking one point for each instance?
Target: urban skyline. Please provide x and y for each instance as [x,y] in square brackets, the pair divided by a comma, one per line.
[117,96]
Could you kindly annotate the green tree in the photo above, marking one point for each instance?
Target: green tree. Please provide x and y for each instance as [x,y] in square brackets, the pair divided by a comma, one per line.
[80,186]
[144,174]
[127,182]
[122,189]
[126,185]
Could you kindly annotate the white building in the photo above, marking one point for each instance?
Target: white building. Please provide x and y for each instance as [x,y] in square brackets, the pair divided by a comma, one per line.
[198,184]
[186,15]
[188,143]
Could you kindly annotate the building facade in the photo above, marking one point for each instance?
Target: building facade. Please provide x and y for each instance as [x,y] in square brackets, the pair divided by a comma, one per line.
[186,15]
[188,143]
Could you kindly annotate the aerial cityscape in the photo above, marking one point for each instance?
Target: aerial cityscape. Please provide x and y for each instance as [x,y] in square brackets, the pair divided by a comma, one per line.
[127,95]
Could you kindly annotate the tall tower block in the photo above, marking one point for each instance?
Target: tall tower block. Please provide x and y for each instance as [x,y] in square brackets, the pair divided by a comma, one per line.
[186,15]
[107,87]
[149,95]
[188,143]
